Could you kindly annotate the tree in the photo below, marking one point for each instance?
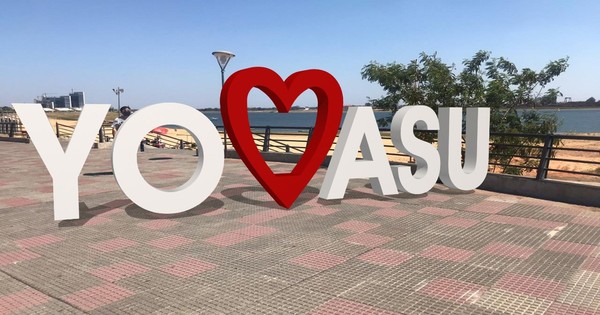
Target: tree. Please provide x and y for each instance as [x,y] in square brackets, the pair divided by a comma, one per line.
[7,109]
[483,82]
[591,100]
[551,97]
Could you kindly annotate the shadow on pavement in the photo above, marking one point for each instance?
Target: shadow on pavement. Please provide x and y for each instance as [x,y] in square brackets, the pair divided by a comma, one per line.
[209,205]
[236,194]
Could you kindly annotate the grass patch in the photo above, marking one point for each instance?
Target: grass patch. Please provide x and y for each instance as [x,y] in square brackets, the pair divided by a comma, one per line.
[110,116]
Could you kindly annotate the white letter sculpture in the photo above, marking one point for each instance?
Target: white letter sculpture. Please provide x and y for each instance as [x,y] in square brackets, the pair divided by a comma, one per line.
[197,188]
[359,130]
[64,166]
[426,156]
[477,147]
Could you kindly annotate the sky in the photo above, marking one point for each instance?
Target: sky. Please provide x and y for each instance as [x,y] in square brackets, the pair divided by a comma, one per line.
[160,51]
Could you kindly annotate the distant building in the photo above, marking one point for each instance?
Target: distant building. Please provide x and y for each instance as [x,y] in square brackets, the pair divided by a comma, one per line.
[77,99]
[73,100]
[55,102]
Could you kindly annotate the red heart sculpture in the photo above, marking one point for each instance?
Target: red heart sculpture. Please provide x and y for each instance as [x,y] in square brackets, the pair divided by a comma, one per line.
[283,187]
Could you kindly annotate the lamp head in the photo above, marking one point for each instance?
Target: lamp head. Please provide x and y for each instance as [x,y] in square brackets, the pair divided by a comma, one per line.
[223,57]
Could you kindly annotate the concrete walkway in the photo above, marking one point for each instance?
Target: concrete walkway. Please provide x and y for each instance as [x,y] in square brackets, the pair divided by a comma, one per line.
[239,253]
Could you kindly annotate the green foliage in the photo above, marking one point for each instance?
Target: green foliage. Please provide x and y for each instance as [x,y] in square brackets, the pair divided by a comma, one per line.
[483,81]
[7,109]
[591,100]
[550,98]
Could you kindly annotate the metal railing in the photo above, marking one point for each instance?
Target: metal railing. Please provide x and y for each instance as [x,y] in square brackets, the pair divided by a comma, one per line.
[529,155]
[105,135]
[12,128]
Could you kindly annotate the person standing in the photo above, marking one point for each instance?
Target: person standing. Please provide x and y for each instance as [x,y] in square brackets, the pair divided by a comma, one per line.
[125,113]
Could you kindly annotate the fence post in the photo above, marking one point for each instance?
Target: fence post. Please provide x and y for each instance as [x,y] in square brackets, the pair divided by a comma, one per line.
[310,133]
[11,131]
[542,171]
[267,139]
[224,142]
[101,135]
[180,144]
[57,130]
[141,146]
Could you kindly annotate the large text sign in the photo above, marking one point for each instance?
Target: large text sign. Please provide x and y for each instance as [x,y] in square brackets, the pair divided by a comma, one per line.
[359,132]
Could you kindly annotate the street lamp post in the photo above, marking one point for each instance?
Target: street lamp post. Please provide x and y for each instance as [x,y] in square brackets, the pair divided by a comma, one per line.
[223,58]
[118,91]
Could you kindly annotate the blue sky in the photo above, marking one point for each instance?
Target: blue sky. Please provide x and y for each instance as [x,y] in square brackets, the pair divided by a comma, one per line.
[160,51]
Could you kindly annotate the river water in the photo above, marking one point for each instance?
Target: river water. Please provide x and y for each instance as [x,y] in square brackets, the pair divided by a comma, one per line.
[572,120]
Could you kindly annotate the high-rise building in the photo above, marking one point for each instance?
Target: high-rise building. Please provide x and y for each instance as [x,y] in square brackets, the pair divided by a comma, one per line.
[73,100]
[77,99]
[55,101]
[65,102]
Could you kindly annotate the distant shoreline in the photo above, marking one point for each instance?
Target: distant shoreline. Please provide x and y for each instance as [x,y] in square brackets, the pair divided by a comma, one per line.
[313,110]
[565,108]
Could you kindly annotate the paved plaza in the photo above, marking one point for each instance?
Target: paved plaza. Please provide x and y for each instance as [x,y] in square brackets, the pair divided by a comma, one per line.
[445,252]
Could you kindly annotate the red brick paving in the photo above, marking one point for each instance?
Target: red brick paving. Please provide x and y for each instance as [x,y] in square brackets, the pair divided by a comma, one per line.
[215,212]
[508,250]
[158,224]
[117,203]
[533,286]
[436,197]
[339,306]
[321,211]
[561,210]
[567,309]
[438,211]
[38,241]
[95,297]
[118,271]
[97,220]
[8,258]
[392,213]
[227,239]
[265,216]
[369,240]
[587,220]
[113,245]
[569,247]
[170,242]
[364,248]
[21,301]
[370,203]
[385,257]
[357,226]
[591,264]
[458,222]
[318,260]
[188,267]
[491,207]
[17,202]
[256,230]
[526,222]
[447,253]
[453,290]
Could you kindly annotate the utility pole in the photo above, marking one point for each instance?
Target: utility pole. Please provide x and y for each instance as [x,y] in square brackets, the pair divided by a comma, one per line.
[118,91]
